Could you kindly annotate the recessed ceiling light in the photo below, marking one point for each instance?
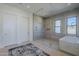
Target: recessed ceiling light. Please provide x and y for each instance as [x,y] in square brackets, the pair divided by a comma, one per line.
[28,6]
[68,3]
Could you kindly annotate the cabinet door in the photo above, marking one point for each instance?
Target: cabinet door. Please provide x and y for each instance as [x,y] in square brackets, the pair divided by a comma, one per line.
[22,29]
[9,29]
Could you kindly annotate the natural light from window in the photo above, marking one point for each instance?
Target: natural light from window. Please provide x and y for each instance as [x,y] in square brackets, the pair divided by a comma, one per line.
[71,25]
[57,26]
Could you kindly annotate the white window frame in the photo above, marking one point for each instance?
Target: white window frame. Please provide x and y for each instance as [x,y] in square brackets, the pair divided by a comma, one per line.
[57,26]
[71,25]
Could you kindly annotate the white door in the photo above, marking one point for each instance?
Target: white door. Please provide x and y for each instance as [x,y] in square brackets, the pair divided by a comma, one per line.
[22,29]
[9,29]
[1,40]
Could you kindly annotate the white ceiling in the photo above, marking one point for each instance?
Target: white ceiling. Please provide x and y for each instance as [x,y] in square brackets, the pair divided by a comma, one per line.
[46,9]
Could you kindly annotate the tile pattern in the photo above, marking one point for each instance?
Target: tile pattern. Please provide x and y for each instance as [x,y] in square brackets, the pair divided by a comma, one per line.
[27,50]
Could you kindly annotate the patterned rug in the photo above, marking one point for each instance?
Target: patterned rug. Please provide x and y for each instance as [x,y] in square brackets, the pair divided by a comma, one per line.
[27,50]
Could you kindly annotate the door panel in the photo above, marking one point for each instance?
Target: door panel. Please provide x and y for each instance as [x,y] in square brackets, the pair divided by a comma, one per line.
[22,29]
[9,29]
[1,40]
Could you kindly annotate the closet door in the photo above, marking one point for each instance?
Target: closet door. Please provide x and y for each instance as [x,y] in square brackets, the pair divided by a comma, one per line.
[1,40]
[22,29]
[9,29]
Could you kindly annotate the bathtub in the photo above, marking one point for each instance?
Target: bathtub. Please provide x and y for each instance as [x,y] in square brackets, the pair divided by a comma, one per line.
[69,44]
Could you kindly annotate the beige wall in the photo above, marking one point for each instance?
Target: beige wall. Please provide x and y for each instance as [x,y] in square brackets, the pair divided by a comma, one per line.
[49,23]
[38,27]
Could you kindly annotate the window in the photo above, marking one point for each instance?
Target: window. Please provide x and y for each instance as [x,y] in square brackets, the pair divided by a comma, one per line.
[71,25]
[57,26]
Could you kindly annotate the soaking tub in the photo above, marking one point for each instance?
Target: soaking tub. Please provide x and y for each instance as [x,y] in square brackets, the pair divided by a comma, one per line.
[69,44]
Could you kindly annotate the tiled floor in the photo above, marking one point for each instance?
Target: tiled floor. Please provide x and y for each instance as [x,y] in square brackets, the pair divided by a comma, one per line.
[50,46]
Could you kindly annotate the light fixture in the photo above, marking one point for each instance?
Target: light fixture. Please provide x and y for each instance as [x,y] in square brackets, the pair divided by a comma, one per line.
[69,4]
[28,6]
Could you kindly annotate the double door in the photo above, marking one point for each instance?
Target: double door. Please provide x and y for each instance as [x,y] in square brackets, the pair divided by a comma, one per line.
[13,29]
